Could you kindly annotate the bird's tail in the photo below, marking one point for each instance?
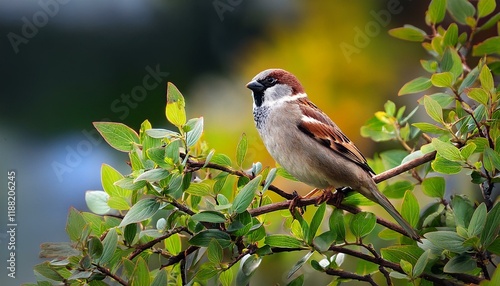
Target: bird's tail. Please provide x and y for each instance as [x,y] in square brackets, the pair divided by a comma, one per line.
[379,198]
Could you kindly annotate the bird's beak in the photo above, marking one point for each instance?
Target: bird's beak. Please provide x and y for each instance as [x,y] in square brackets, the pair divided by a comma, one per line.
[255,86]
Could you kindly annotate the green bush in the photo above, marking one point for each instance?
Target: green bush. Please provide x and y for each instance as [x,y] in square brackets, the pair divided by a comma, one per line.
[186,214]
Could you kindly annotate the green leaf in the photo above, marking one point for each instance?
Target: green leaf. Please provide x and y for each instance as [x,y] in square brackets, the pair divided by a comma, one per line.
[396,253]
[246,195]
[410,209]
[323,241]
[491,227]
[486,78]
[130,232]
[445,166]
[450,38]
[444,79]
[485,7]
[118,203]
[206,272]
[109,243]
[140,276]
[397,189]
[226,277]
[421,263]
[196,131]
[449,240]
[46,270]
[299,264]
[460,10]
[433,109]
[108,178]
[434,187]
[209,216]
[444,99]
[463,210]
[430,128]
[362,223]
[175,112]
[477,221]
[142,210]
[336,223]
[491,159]
[429,66]
[214,252]
[437,11]
[199,189]
[153,175]
[494,247]
[452,63]
[128,184]
[408,33]
[479,95]
[94,247]
[269,179]
[487,47]
[118,135]
[316,222]
[248,265]
[221,159]
[468,150]
[490,22]
[406,266]
[161,278]
[414,86]
[173,244]
[241,149]
[283,241]
[460,264]
[75,224]
[447,150]
[298,281]
[161,133]
[97,202]
[204,237]
[469,80]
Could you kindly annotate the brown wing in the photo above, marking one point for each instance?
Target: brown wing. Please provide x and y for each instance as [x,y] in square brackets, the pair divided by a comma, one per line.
[327,133]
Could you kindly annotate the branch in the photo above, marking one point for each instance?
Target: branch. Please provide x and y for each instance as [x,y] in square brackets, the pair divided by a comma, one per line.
[139,249]
[106,272]
[404,167]
[302,202]
[175,259]
[349,275]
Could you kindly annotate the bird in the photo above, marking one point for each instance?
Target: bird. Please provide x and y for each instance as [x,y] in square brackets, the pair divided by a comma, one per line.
[308,144]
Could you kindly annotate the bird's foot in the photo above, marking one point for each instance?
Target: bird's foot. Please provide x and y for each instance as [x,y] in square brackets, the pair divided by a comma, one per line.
[338,197]
[293,204]
[326,196]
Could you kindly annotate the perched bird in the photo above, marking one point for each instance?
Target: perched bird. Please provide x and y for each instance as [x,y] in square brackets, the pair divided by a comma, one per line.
[308,144]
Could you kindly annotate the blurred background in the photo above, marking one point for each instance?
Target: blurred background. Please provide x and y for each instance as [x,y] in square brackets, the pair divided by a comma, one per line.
[68,63]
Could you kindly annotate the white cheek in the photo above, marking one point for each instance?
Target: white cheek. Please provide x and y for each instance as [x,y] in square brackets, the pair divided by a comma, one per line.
[270,100]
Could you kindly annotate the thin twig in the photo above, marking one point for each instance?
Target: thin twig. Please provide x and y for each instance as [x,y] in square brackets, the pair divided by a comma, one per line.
[108,273]
[139,249]
[404,167]
[349,275]
[175,259]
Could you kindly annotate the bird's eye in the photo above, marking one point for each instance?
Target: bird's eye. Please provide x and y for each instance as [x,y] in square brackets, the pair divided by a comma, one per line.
[270,80]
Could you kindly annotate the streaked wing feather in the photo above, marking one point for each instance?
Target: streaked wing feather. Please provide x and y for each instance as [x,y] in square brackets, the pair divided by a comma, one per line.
[326,132]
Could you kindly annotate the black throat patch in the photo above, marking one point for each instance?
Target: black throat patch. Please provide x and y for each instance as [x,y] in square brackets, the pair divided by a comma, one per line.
[258,98]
